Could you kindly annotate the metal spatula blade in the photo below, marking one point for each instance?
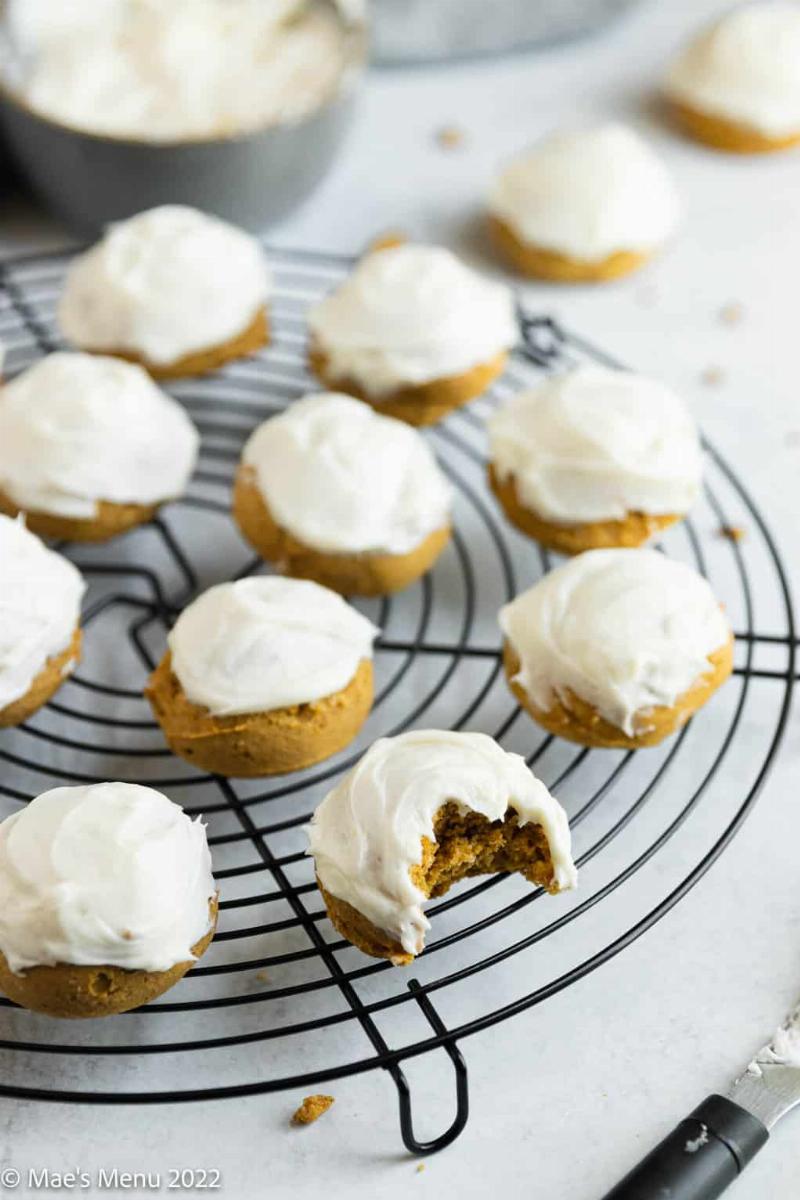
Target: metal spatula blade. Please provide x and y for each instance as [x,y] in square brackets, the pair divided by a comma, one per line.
[709,1149]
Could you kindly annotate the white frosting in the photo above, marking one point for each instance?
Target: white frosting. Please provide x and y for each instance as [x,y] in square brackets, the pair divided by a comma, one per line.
[166,283]
[40,600]
[173,70]
[367,833]
[410,315]
[342,478]
[782,1051]
[624,630]
[76,428]
[745,68]
[588,194]
[594,445]
[265,643]
[110,875]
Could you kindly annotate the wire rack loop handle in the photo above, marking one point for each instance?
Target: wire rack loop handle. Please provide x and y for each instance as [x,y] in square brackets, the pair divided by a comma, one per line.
[404,1091]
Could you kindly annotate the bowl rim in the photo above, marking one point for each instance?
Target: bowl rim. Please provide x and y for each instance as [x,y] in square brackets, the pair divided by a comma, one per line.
[356,38]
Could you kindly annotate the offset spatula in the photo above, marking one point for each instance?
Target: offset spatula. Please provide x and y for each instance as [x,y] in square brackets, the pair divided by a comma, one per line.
[711,1148]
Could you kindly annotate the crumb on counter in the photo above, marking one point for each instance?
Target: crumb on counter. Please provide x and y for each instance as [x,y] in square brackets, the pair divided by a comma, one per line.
[712,376]
[731,313]
[734,533]
[387,241]
[262,976]
[420,1168]
[311,1109]
[450,137]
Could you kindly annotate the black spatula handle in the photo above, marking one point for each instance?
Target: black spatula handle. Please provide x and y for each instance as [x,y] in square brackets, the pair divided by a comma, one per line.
[700,1158]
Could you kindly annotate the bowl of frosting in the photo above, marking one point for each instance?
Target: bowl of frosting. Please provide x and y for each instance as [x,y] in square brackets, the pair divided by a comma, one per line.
[237,107]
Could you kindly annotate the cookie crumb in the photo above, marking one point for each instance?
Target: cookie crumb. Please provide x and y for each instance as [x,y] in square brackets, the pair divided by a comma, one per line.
[734,533]
[731,313]
[387,241]
[262,976]
[712,376]
[420,1168]
[311,1109]
[450,137]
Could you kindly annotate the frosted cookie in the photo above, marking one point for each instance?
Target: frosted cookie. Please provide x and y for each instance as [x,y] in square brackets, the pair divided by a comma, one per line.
[594,458]
[173,289]
[332,491]
[420,812]
[40,637]
[414,332]
[616,648]
[106,899]
[90,447]
[264,676]
[736,86]
[583,206]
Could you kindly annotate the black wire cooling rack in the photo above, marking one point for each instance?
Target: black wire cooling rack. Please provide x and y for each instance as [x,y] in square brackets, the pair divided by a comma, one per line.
[279,1001]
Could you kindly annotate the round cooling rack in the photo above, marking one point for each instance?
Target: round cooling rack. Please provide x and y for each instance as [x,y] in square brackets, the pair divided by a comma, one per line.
[279,1001]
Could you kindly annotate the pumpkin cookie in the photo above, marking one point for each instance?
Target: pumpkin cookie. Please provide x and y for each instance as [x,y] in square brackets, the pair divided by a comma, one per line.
[264,676]
[617,648]
[106,899]
[330,490]
[172,289]
[594,458]
[90,447]
[419,813]
[584,206]
[736,86]
[414,332]
[40,638]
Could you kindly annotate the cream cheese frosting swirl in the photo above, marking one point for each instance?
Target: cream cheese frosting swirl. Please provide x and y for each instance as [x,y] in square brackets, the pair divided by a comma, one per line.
[174,70]
[745,68]
[588,194]
[624,630]
[40,600]
[264,643]
[594,445]
[342,478]
[367,833]
[78,428]
[111,874]
[409,315]
[166,283]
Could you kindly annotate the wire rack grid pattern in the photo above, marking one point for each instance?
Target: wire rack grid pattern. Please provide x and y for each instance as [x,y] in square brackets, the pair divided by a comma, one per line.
[280,1001]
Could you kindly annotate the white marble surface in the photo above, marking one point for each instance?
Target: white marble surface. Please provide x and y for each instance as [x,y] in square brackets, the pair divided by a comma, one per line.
[565,1097]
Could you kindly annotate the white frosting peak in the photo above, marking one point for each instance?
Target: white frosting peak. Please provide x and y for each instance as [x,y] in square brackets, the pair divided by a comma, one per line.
[264,643]
[409,315]
[367,833]
[745,68]
[109,875]
[587,194]
[40,599]
[169,282]
[340,477]
[78,428]
[174,70]
[624,630]
[595,445]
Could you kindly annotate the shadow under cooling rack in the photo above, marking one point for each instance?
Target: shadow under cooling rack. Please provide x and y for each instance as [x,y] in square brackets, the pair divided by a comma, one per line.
[280,1001]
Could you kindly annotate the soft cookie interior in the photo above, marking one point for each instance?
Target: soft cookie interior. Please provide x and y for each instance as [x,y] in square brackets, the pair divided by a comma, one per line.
[466,844]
